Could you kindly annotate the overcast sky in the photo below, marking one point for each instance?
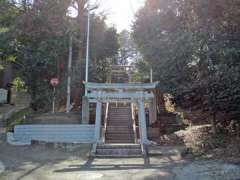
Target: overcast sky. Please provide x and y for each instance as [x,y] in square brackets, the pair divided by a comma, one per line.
[121,12]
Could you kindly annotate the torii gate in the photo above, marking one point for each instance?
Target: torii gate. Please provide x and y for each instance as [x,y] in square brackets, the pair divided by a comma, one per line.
[134,93]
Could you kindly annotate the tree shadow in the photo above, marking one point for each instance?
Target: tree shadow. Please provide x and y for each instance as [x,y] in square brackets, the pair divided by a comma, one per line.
[91,166]
[30,171]
[25,160]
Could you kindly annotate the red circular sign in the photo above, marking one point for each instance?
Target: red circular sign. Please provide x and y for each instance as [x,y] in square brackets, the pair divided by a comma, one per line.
[54,81]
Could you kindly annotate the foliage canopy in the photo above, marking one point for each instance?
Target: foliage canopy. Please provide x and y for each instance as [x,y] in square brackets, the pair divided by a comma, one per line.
[194,49]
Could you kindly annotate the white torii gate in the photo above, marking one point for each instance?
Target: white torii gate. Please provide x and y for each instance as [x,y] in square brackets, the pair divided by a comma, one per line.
[120,92]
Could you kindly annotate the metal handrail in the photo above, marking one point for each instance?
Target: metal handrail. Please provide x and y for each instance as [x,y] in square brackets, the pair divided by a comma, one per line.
[134,123]
[105,122]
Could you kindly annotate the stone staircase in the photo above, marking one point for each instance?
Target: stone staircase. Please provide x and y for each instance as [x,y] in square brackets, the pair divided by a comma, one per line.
[119,136]
[119,125]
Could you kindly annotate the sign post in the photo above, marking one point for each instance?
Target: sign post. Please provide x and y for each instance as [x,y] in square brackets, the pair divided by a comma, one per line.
[54,82]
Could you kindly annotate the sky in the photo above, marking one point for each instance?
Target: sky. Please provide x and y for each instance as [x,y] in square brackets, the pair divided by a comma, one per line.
[120,13]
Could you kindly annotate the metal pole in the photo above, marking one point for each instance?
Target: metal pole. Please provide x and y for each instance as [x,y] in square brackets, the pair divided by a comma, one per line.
[68,106]
[87,48]
[151,75]
[53,103]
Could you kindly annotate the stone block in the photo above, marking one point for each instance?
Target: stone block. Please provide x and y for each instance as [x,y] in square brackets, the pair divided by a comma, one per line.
[3,96]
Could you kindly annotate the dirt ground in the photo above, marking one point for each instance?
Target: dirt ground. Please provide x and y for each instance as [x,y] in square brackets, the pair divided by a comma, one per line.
[41,162]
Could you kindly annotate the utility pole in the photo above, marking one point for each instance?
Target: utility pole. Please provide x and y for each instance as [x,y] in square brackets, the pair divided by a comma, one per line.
[87,48]
[68,106]
[85,102]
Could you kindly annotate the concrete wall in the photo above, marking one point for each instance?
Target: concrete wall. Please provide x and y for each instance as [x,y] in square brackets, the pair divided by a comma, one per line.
[55,133]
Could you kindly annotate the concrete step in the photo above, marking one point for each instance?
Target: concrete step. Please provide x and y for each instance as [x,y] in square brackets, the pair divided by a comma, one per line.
[121,118]
[118,156]
[117,123]
[115,136]
[122,132]
[117,141]
[120,121]
[126,131]
[119,136]
[120,115]
[118,128]
[119,146]
[119,150]
[120,106]
[119,111]
[124,123]
[114,105]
